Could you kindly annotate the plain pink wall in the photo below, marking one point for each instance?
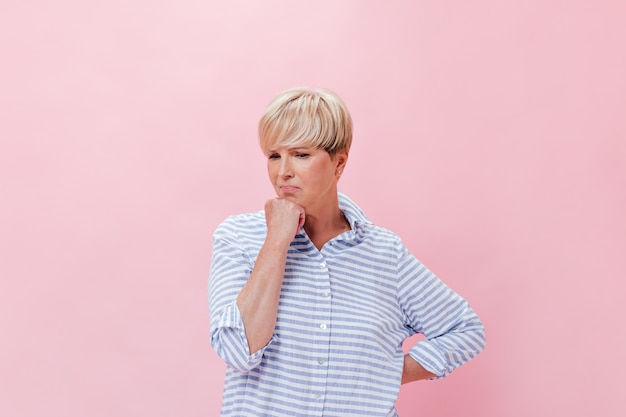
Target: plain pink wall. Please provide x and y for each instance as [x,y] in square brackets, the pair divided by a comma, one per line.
[491,135]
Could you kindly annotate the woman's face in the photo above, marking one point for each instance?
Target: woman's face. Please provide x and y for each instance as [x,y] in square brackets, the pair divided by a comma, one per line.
[304,175]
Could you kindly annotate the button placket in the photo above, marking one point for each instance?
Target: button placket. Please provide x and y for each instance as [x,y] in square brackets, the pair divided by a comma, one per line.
[322,326]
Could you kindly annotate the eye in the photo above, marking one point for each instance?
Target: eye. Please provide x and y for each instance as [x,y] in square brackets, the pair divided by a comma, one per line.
[302,155]
[273,156]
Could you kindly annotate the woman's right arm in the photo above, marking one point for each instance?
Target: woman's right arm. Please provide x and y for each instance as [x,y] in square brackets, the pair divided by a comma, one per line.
[258,300]
[243,303]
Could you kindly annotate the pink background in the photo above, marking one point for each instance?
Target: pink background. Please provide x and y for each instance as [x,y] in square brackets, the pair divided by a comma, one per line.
[489,134]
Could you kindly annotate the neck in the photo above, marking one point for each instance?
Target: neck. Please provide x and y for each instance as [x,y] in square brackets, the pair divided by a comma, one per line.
[315,224]
[322,228]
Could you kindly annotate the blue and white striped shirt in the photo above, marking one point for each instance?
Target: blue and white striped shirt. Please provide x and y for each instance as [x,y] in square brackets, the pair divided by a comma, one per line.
[343,314]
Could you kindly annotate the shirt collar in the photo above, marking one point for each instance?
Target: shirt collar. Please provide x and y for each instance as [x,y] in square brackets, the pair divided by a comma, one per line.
[356,217]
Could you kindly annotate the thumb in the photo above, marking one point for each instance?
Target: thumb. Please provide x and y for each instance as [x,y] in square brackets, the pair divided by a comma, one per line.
[301,220]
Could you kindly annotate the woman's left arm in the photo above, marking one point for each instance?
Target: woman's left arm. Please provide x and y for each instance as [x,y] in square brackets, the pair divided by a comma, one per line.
[454,332]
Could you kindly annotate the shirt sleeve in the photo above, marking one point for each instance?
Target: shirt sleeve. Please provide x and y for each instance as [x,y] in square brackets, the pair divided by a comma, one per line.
[453,332]
[230,269]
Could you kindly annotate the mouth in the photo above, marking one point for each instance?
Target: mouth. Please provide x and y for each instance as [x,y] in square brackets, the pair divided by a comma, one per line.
[288,189]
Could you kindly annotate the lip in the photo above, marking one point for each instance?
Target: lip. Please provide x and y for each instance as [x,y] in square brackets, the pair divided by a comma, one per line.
[288,189]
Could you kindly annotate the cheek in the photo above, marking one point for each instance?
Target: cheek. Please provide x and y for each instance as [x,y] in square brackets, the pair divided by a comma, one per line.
[273,173]
[270,173]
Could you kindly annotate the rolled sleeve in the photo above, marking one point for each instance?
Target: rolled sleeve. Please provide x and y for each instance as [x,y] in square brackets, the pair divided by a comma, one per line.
[228,338]
[456,346]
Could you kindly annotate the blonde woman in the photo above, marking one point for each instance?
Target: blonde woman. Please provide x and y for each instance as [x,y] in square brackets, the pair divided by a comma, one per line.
[309,300]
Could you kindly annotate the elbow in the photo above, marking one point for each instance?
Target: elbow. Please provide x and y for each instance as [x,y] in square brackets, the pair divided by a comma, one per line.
[475,340]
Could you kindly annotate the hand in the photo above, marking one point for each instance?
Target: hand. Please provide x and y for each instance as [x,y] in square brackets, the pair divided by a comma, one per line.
[284,219]
[413,371]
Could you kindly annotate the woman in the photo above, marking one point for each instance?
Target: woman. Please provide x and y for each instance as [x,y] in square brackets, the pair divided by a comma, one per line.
[309,300]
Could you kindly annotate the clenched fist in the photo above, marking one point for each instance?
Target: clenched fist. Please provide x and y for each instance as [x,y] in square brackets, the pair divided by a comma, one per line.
[284,219]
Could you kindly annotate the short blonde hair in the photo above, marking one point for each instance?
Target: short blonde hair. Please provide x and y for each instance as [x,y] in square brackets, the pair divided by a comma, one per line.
[302,117]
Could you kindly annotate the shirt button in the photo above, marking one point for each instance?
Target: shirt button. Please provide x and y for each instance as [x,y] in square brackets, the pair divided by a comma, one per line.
[320,361]
[325,294]
[323,326]
[318,396]
[323,265]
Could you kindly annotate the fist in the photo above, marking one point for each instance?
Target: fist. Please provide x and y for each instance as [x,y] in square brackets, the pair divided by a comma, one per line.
[284,218]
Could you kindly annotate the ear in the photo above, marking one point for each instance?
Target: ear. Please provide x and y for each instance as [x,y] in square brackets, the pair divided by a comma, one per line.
[341,159]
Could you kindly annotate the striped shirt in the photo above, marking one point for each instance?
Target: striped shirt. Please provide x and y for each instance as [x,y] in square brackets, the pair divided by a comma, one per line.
[343,314]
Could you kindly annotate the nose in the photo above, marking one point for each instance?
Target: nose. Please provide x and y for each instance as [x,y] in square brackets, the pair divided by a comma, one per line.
[285,169]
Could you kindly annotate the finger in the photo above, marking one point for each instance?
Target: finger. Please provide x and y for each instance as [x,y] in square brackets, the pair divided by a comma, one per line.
[301,221]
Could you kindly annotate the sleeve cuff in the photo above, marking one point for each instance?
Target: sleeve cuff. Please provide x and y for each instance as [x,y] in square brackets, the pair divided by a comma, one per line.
[233,344]
[430,358]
